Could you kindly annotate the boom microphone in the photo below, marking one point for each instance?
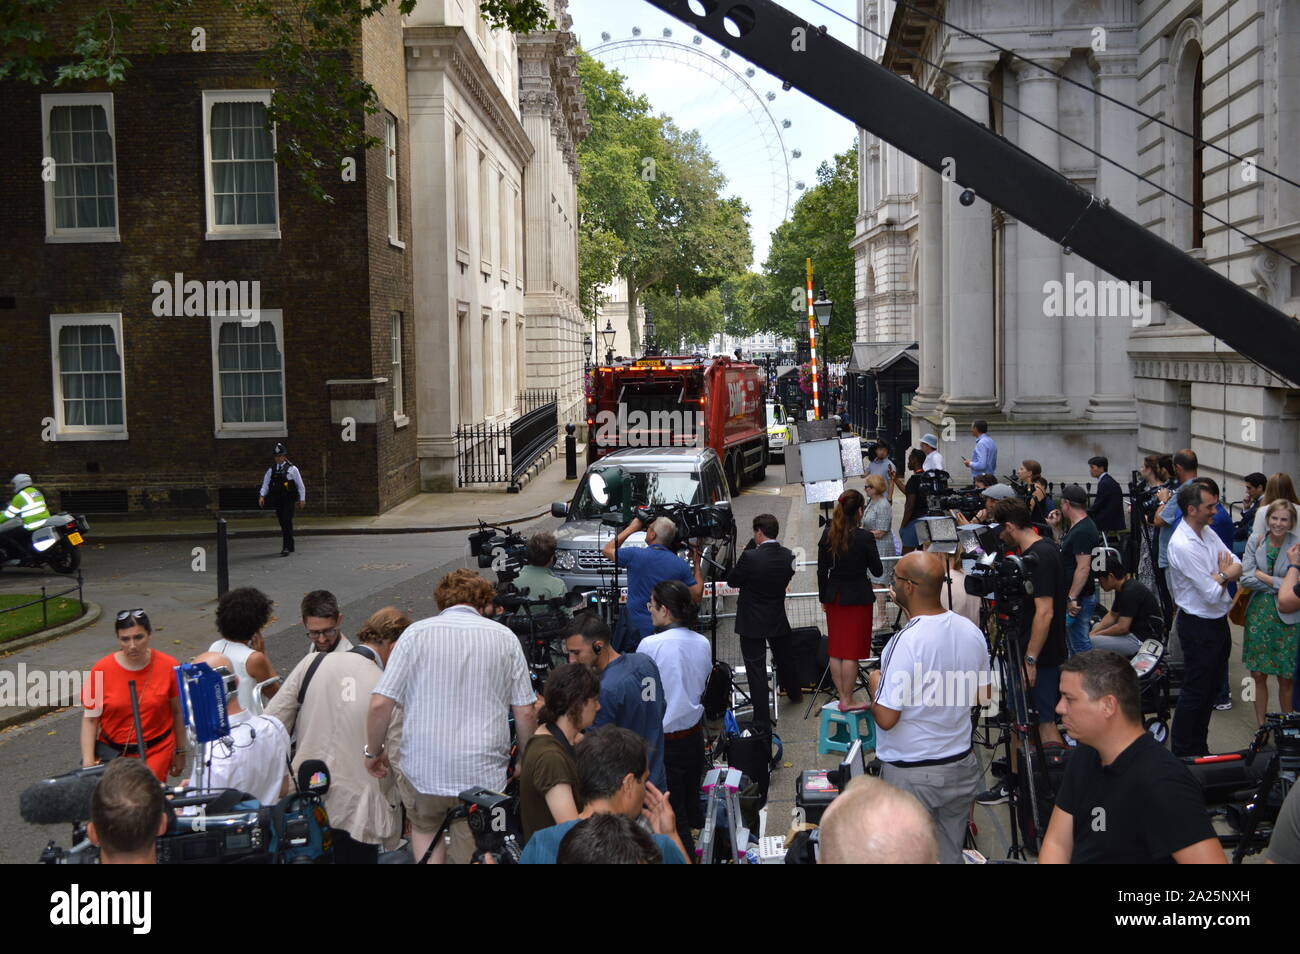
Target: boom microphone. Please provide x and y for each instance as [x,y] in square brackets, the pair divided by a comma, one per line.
[64,799]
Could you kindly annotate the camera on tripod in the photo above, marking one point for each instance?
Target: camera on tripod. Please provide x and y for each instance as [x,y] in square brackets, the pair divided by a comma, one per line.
[500,549]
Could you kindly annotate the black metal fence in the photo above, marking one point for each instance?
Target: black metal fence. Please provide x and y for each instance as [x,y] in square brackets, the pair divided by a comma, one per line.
[45,603]
[500,453]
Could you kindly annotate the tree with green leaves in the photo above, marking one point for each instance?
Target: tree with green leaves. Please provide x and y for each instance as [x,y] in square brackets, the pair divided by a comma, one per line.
[821,228]
[651,205]
[319,101]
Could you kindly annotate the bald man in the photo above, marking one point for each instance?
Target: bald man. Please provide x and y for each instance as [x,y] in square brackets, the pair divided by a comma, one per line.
[932,672]
[255,760]
[873,823]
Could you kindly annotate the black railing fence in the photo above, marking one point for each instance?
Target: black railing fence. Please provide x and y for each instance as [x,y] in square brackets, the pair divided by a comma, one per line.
[500,453]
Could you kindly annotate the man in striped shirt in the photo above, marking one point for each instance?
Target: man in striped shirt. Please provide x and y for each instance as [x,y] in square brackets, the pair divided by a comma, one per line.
[457,677]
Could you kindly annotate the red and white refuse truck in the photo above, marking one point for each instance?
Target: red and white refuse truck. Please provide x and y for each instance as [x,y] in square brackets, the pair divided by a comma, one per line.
[677,401]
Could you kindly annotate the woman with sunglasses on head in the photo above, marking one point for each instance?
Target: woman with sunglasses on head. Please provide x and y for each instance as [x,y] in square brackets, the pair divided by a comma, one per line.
[108,728]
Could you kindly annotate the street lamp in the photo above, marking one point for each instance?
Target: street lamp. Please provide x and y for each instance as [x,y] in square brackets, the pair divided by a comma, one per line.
[609,334]
[649,333]
[822,309]
[681,339]
[586,350]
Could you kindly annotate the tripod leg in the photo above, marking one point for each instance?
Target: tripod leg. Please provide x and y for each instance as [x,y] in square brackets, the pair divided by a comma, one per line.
[817,691]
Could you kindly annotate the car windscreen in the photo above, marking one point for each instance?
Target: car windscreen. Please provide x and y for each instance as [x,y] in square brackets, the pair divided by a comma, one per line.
[647,488]
[773,418]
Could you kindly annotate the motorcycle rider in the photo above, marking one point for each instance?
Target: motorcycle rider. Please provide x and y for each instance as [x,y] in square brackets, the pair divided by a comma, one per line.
[26,512]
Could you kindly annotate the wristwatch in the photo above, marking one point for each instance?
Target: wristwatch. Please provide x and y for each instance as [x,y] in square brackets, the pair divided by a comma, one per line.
[1032,660]
[365,750]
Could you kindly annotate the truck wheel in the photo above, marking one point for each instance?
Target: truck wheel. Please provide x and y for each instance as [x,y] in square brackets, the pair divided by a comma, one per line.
[732,467]
[761,474]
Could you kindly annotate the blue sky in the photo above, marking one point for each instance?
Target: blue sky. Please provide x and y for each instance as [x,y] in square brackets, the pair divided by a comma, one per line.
[705,93]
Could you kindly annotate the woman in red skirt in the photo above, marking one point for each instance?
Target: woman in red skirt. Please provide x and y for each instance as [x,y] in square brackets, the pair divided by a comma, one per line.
[846,560]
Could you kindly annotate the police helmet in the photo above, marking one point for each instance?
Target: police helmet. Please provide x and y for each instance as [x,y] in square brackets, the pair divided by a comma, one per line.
[280,450]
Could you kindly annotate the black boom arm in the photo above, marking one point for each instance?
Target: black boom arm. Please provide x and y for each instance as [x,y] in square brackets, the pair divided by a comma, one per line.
[1006,176]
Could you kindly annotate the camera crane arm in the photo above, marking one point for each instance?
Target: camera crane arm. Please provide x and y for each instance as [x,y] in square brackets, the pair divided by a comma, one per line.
[932,133]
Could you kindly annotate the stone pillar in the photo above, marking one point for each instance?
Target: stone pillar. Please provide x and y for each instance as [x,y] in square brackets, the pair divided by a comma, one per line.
[929,329]
[1040,366]
[1113,398]
[969,332]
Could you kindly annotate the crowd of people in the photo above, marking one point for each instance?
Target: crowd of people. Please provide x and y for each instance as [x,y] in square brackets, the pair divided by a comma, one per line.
[610,753]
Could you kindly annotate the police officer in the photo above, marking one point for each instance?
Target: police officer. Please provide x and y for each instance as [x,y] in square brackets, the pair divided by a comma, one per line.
[25,511]
[283,486]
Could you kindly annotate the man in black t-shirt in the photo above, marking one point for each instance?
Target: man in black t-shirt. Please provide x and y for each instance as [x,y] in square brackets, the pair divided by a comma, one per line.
[1135,615]
[1079,548]
[1045,649]
[1124,799]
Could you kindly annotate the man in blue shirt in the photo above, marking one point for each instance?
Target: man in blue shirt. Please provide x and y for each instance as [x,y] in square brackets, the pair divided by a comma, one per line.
[647,566]
[613,779]
[631,689]
[984,458]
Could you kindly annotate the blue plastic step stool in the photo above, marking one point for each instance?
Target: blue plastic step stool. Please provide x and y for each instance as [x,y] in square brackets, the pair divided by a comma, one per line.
[839,730]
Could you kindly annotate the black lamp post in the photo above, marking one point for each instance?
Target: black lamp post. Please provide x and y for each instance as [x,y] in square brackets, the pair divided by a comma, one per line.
[586,351]
[609,334]
[649,334]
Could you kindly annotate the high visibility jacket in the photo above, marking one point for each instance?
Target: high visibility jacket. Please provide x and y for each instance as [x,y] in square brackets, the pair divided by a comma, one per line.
[28,503]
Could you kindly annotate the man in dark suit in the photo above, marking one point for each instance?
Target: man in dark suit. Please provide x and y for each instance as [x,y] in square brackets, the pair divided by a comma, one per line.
[762,574]
[1107,510]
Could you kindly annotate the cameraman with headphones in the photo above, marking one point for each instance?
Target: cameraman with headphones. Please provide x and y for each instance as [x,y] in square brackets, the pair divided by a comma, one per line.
[647,566]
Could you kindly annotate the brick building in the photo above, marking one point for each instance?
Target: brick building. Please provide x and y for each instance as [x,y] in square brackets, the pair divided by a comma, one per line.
[178,303]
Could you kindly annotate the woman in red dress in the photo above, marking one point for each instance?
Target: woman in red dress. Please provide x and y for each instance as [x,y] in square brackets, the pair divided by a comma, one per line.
[108,729]
[846,560]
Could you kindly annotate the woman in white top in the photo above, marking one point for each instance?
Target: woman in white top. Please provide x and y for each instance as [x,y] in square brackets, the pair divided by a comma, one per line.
[684,659]
[241,616]
[1279,487]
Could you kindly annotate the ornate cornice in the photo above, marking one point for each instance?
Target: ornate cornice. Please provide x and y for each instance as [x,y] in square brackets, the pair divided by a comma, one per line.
[1227,371]
[451,50]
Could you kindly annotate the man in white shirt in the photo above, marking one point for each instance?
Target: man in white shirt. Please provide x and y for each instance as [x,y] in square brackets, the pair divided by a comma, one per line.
[685,660]
[930,447]
[457,676]
[256,757]
[1200,569]
[932,672]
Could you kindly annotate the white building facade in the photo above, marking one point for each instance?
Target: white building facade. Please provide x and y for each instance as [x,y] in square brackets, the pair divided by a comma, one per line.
[494,123]
[975,282]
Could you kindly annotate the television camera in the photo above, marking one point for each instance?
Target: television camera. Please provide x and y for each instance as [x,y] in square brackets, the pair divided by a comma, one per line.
[493,823]
[500,549]
[933,487]
[698,522]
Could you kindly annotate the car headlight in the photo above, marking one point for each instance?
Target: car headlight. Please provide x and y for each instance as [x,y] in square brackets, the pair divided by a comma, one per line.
[565,560]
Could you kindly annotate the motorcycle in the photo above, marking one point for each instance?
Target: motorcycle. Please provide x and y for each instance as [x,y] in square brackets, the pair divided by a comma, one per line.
[55,543]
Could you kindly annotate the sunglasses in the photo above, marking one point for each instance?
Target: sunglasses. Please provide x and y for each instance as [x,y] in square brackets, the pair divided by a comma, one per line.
[136,613]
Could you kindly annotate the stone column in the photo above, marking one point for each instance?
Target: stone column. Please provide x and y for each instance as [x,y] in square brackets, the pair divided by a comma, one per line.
[1040,366]
[930,293]
[969,332]
[1113,398]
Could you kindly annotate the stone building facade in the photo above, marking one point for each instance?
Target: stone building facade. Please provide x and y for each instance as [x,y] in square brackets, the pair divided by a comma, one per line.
[1061,389]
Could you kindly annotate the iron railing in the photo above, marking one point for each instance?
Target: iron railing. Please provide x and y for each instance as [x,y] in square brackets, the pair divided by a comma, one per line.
[45,607]
[500,453]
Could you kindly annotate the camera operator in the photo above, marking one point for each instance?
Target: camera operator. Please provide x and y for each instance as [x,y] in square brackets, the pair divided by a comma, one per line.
[990,493]
[1124,799]
[127,814]
[325,703]
[631,688]
[1078,545]
[1201,568]
[1046,649]
[762,574]
[1134,616]
[535,578]
[646,566]
[613,778]
[456,676]
[925,737]
[873,823]
[254,760]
